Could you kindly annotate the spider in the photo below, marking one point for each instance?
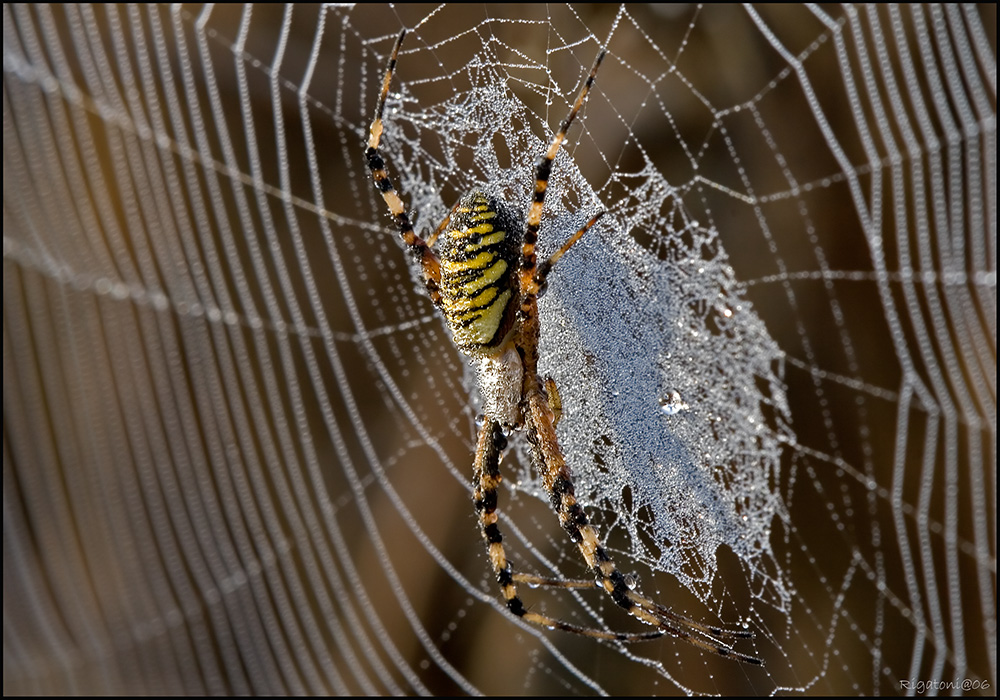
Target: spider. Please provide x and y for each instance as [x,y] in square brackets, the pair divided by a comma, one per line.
[486,280]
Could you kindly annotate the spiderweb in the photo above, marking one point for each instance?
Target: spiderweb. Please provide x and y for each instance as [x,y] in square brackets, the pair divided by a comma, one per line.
[237,440]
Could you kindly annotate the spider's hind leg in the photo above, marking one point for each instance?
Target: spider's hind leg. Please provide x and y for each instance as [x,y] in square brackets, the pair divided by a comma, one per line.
[489,446]
[548,460]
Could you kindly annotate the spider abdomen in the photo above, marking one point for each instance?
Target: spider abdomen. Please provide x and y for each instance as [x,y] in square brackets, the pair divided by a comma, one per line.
[479,258]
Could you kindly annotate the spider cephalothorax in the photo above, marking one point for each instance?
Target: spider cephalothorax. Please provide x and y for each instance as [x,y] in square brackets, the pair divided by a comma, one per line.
[485,279]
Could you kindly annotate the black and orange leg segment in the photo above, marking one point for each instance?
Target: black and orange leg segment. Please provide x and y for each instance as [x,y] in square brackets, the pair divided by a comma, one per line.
[489,446]
[543,168]
[429,263]
[545,267]
[548,460]
[444,224]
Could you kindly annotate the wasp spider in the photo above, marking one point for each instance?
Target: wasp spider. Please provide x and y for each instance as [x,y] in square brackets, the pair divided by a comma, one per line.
[485,279]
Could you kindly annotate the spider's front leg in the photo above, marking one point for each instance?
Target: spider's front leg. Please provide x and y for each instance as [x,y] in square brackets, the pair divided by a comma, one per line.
[489,446]
[430,265]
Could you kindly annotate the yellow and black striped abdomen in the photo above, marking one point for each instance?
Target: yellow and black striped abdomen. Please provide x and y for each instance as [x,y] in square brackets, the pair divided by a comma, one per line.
[480,252]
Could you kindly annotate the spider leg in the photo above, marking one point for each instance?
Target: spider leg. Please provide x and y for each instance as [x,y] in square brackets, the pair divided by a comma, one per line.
[489,446]
[708,630]
[546,267]
[551,465]
[543,168]
[555,401]
[444,224]
[429,264]
[544,581]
